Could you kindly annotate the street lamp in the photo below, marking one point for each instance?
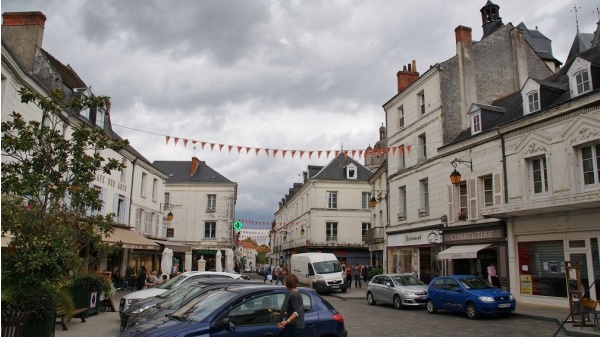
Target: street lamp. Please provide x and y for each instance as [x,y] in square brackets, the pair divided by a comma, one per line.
[373,202]
[455,175]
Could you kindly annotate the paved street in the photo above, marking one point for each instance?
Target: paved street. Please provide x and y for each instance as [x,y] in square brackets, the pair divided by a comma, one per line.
[362,319]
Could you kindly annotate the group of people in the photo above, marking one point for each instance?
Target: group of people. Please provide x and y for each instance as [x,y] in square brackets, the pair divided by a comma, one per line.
[279,273]
[356,272]
[145,280]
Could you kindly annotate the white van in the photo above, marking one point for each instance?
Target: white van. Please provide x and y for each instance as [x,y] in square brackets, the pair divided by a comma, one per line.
[319,271]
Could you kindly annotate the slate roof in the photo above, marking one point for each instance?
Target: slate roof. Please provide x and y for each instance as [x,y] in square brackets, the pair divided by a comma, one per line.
[513,103]
[582,42]
[335,170]
[178,172]
[539,42]
[68,75]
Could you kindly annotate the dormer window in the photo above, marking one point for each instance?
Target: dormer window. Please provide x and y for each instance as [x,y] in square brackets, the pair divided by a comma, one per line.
[476,123]
[583,82]
[533,100]
[579,74]
[351,171]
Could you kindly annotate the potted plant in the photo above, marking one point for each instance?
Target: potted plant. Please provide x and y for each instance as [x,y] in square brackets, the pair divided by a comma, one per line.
[462,215]
[86,290]
[40,304]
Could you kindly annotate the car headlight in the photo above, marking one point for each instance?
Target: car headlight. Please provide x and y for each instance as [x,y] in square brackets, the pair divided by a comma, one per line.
[320,277]
[486,299]
[407,292]
[137,311]
[511,297]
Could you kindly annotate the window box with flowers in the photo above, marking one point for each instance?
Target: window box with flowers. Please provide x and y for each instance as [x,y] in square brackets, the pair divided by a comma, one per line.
[462,215]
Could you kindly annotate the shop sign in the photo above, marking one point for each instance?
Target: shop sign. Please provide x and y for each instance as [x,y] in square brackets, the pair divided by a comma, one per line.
[415,238]
[481,235]
[526,285]
[170,232]
[204,252]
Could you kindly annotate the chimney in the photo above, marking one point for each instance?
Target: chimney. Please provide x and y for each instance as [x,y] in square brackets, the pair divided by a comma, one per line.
[407,76]
[23,32]
[195,165]
[466,71]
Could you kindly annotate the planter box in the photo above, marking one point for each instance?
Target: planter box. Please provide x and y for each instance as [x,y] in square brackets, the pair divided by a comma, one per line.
[81,298]
[40,327]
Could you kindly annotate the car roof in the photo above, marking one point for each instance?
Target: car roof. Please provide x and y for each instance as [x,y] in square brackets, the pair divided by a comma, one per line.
[402,274]
[257,286]
[193,273]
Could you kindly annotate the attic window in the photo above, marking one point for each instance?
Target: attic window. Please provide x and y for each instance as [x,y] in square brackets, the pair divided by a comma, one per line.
[476,123]
[583,82]
[351,171]
[533,100]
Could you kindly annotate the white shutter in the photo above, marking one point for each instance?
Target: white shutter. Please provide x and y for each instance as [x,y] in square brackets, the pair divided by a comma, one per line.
[125,211]
[116,208]
[451,203]
[497,189]
[473,214]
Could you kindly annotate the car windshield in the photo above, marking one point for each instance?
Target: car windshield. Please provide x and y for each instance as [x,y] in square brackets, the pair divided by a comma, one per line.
[171,283]
[407,280]
[202,306]
[173,291]
[174,302]
[475,283]
[327,267]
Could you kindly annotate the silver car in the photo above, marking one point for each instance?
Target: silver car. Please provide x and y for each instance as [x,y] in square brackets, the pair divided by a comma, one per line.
[401,290]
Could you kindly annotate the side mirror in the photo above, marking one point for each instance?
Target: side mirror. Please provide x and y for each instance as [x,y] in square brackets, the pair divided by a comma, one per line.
[223,323]
[389,284]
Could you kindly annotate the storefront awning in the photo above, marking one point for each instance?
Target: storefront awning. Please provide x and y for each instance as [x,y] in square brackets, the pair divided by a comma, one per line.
[174,247]
[462,252]
[130,239]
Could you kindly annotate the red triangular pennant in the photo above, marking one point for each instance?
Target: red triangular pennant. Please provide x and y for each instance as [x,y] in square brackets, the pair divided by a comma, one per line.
[239,149]
[230,147]
[257,150]
[293,153]
[176,140]
[274,153]
[301,154]
[167,138]
[283,152]
[212,146]
[248,150]
[319,154]
[221,147]
[185,142]
[203,143]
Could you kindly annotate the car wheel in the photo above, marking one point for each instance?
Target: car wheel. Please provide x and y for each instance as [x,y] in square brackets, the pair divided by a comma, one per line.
[397,302]
[431,307]
[344,291]
[370,298]
[472,311]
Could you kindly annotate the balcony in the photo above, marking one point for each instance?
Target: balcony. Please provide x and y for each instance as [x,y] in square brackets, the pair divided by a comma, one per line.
[375,235]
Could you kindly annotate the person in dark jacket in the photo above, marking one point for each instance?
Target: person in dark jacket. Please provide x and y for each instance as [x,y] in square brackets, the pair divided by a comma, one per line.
[141,279]
[293,309]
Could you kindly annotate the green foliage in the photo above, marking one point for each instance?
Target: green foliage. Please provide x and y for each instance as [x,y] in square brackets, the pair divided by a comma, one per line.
[42,301]
[88,281]
[374,272]
[48,201]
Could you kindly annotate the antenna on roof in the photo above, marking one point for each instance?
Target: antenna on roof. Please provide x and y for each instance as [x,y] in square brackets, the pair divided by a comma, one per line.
[597,11]
[576,20]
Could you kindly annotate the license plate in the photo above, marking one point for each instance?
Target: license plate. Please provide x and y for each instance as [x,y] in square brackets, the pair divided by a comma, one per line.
[504,305]
[334,287]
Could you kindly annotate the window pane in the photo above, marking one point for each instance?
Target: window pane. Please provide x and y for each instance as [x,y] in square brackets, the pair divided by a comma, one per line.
[587,163]
[488,191]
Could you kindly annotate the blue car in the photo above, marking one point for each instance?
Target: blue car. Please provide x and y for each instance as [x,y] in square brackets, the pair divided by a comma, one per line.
[469,294]
[242,311]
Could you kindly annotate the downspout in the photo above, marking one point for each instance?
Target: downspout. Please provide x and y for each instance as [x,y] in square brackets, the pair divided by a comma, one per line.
[131,190]
[504,168]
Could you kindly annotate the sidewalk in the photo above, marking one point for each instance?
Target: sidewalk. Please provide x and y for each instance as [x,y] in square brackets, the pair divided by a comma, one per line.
[551,314]
[106,324]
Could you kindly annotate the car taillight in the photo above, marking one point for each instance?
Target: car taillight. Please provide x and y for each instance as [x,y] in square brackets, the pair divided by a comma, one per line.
[338,318]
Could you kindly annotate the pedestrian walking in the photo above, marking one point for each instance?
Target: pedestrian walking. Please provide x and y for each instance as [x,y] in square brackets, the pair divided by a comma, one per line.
[292,318]
[279,275]
[269,274]
[349,276]
[356,275]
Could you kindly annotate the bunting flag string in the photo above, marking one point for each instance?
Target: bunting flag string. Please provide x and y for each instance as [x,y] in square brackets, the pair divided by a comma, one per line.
[274,152]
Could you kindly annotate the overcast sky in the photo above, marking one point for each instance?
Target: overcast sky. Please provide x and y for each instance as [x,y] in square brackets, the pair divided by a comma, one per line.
[291,75]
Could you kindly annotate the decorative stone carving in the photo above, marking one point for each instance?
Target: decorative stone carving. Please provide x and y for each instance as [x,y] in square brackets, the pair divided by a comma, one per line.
[584,134]
[534,148]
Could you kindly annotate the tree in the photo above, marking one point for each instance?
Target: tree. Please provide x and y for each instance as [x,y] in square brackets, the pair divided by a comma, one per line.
[49,206]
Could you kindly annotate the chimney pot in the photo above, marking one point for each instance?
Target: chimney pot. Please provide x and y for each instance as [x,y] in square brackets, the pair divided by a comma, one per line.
[407,76]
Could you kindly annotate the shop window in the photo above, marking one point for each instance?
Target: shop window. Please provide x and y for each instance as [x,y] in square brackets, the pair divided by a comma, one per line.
[542,269]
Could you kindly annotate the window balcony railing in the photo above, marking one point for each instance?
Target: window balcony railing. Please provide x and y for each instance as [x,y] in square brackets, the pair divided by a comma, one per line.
[375,235]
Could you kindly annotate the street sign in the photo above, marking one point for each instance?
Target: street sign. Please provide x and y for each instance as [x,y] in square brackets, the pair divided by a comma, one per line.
[238,225]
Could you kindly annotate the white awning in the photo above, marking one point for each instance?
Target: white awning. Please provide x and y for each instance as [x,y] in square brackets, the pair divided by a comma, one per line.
[462,252]
[130,239]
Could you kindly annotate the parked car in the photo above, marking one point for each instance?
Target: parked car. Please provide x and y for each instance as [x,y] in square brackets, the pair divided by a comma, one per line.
[470,294]
[401,290]
[183,278]
[173,298]
[243,311]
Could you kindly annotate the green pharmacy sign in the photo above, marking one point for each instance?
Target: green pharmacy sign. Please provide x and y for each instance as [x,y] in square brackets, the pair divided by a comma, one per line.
[238,225]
